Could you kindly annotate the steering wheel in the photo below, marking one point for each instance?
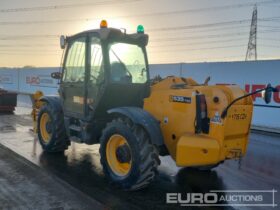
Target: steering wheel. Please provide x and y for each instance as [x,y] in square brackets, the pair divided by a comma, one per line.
[136,63]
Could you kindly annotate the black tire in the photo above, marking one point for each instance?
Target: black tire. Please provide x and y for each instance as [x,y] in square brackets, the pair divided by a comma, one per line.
[58,141]
[207,168]
[144,155]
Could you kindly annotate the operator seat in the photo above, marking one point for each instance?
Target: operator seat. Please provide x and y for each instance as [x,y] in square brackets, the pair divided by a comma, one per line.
[119,73]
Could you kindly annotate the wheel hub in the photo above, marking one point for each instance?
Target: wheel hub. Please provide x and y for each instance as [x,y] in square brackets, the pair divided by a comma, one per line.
[123,154]
[45,127]
[49,127]
[118,155]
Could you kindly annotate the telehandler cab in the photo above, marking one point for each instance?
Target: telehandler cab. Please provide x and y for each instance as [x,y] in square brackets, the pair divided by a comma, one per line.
[106,96]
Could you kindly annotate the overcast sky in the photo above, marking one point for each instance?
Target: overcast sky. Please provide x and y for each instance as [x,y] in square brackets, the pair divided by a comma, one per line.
[180,30]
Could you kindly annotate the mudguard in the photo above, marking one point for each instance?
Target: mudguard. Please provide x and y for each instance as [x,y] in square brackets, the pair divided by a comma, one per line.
[54,101]
[144,119]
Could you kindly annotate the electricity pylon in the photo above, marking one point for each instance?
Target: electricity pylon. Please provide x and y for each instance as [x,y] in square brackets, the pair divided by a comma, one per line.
[252,44]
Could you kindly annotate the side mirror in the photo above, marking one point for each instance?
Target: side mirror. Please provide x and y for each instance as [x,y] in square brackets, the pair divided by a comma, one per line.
[56,75]
[267,94]
[62,42]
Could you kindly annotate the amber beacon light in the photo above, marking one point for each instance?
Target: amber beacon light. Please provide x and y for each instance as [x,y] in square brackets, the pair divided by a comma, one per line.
[103,24]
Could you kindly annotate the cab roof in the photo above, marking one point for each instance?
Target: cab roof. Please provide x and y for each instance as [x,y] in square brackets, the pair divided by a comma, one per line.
[107,34]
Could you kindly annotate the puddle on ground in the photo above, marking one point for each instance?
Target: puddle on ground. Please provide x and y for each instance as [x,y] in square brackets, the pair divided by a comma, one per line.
[29,140]
[22,128]
[7,128]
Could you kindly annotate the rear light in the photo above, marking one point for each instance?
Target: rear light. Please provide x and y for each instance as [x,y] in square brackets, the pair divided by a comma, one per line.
[202,121]
[203,106]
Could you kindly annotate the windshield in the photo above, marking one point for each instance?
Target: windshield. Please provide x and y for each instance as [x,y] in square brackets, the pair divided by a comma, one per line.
[127,63]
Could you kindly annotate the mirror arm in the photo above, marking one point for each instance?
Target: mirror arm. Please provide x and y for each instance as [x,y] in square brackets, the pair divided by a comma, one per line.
[224,113]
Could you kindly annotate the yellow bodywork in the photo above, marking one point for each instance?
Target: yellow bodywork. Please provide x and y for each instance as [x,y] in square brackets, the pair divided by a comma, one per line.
[226,139]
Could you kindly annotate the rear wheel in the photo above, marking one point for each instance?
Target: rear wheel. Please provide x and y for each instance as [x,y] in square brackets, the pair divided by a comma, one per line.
[208,167]
[128,158]
[51,131]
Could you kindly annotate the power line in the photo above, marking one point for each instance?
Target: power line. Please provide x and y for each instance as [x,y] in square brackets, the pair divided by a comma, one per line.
[208,36]
[49,36]
[197,43]
[274,6]
[24,50]
[211,24]
[218,58]
[28,45]
[152,40]
[208,30]
[271,39]
[197,26]
[12,37]
[178,12]
[142,15]
[66,20]
[219,24]
[198,49]
[207,59]
[17,46]
[54,7]
[270,46]
[273,27]
[65,6]
[269,19]
[218,8]
[23,47]
[30,54]
[205,42]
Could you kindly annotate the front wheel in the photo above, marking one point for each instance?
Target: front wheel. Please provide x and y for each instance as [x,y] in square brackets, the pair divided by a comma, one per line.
[128,158]
[51,130]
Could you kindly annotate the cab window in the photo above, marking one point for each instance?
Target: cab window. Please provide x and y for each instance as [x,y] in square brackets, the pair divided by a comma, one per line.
[127,63]
[96,67]
[74,70]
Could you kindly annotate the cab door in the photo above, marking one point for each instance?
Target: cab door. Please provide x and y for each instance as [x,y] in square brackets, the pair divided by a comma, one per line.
[96,78]
[72,88]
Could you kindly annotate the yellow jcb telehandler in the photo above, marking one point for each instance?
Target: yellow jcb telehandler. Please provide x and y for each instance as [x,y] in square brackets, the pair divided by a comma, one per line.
[106,97]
